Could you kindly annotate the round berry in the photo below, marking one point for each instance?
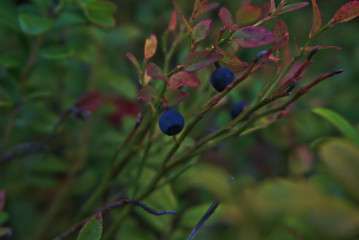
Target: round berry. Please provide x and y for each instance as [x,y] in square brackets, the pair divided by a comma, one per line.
[221,77]
[237,108]
[171,122]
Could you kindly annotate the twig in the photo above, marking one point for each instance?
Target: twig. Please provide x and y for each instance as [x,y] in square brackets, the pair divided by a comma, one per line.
[109,207]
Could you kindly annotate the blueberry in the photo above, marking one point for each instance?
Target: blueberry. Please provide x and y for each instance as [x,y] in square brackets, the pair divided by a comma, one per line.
[221,77]
[171,122]
[237,108]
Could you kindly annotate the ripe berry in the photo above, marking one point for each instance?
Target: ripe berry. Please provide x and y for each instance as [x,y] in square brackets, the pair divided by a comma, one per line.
[221,77]
[171,122]
[237,108]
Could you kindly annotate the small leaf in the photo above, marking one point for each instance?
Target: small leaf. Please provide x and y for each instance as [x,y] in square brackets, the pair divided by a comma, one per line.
[272,6]
[226,17]
[200,59]
[173,22]
[92,229]
[201,30]
[2,199]
[317,19]
[310,48]
[212,6]
[90,101]
[248,14]
[133,59]
[186,23]
[280,29]
[100,12]
[230,61]
[9,62]
[56,52]
[346,13]
[147,93]
[173,98]
[200,7]
[183,78]
[34,25]
[250,37]
[150,46]
[293,7]
[339,122]
[156,72]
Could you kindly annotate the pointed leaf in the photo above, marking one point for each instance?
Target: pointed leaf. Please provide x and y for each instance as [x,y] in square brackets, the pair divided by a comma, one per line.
[2,199]
[34,25]
[251,37]
[90,101]
[200,7]
[293,7]
[100,12]
[339,122]
[173,98]
[133,59]
[183,78]
[212,6]
[173,22]
[272,6]
[156,72]
[230,61]
[346,13]
[248,14]
[147,93]
[200,59]
[317,19]
[92,229]
[201,30]
[150,46]
[226,17]
[310,48]
[56,52]
[185,21]
[280,29]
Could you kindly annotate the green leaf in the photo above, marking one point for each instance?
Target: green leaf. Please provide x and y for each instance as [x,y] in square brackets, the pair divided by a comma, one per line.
[339,122]
[8,16]
[67,18]
[56,52]
[342,161]
[92,229]
[100,12]
[3,217]
[9,62]
[9,85]
[33,24]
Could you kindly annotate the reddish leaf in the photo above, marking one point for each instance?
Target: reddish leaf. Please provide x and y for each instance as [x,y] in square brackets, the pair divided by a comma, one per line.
[248,14]
[212,6]
[147,93]
[230,61]
[346,13]
[133,59]
[172,98]
[280,29]
[156,72]
[317,19]
[200,59]
[186,23]
[308,49]
[250,37]
[183,78]
[201,30]
[90,101]
[173,22]
[200,7]
[272,7]
[122,108]
[150,46]
[293,7]
[2,199]
[226,17]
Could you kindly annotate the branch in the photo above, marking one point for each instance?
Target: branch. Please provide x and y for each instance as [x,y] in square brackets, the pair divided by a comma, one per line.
[107,208]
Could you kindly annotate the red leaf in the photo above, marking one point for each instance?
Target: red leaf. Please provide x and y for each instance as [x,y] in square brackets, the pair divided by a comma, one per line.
[280,29]
[250,37]
[346,13]
[122,108]
[183,78]
[186,23]
[272,58]
[230,61]
[90,101]
[201,30]
[200,7]
[2,199]
[133,59]
[173,22]
[156,72]
[293,7]
[211,6]
[150,46]
[226,17]
[147,93]
[200,59]
[248,14]
[317,19]
[173,98]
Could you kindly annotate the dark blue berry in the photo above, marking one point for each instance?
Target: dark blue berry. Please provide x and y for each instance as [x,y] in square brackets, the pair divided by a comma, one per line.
[171,122]
[237,108]
[221,77]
